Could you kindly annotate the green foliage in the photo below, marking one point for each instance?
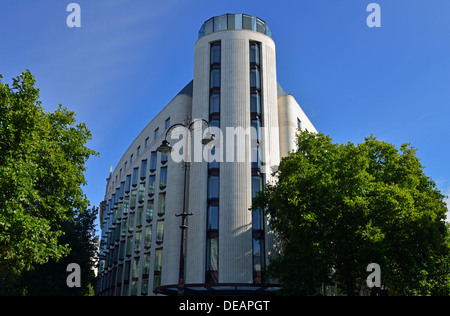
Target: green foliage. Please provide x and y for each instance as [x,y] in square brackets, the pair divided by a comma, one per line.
[49,279]
[336,208]
[42,157]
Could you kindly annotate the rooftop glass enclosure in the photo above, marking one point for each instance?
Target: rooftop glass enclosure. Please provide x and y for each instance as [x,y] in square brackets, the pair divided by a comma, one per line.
[234,22]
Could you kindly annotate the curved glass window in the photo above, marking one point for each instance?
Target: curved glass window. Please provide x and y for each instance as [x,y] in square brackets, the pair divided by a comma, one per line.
[234,22]
[254,78]
[215,53]
[247,22]
[254,53]
[215,78]
[255,103]
[213,217]
[213,187]
[220,23]
[214,107]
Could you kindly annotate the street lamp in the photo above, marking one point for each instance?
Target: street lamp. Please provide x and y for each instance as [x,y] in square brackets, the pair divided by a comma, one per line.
[166,148]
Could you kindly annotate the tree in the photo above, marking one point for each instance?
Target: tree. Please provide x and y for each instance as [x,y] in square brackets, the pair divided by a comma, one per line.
[42,160]
[51,278]
[337,208]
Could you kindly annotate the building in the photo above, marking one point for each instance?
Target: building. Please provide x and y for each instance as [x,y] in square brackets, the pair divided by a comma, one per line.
[254,122]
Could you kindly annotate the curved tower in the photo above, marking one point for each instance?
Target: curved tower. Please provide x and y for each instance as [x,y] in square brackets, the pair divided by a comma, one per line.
[235,87]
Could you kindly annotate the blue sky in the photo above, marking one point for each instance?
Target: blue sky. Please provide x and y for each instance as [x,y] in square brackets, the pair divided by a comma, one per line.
[130,58]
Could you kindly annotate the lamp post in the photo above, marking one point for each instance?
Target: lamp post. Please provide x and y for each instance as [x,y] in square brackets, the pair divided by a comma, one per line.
[166,148]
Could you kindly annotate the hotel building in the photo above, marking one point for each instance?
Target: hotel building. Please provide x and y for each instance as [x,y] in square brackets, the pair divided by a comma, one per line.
[226,245]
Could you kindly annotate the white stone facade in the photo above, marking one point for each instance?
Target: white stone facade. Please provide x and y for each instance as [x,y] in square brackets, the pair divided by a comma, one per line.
[130,262]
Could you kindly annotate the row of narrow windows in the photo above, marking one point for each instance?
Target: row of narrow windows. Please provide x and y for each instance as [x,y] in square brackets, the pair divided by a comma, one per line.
[129,228]
[257,178]
[212,242]
[212,215]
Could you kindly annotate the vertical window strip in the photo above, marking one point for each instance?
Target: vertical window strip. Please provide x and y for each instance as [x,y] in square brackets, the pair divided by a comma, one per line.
[257,178]
[212,206]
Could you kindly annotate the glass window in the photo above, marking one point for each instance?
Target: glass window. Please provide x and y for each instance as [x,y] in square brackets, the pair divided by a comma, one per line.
[121,252]
[214,106]
[141,192]
[164,158]
[215,123]
[153,160]
[156,133]
[209,26]
[257,220]
[147,142]
[256,185]
[134,288]
[167,123]
[126,206]
[213,187]
[150,209]
[148,237]
[137,241]
[260,26]
[135,270]
[201,32]
[146,266]
[254,53]
[231,22]
[299,123]
[125,166]
[131,222]
[220,23]
[140,214]
[215,78]
[126,273]
[128,183]
[160,231]
[124,227]
[121,190]
[213,217]
[256,157]
[129,246]
[156,280]
[255,103]
[151,184]
[135,176]
[268,32]
[257,254]
[116,195]
[255,129]
[163,178]
[246,22]
[131,159]
[215,53]
[133,199]
[214,164]
[143,169]
[238,21]
[144,284]
[120,210]
[212,254]
[254,78]
[158,260]
[138,151]
[162,204]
